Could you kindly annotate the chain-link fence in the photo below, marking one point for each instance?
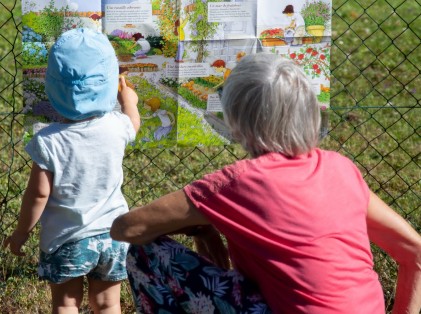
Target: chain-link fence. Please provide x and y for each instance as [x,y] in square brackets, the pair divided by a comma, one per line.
[374,119]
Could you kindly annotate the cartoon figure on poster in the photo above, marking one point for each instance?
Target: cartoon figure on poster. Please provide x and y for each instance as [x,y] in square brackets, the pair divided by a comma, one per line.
[220,66]
[96,20]
[142,43]
[179,26]
[295,28]
[166,117]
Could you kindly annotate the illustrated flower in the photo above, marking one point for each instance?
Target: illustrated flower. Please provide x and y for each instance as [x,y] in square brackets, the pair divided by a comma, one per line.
[292,55]
[301,56]
[315,66]
[272,33]
[314,53]
[322,57]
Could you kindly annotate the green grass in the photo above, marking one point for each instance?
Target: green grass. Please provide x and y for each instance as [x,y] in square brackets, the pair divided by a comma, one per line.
[375,88]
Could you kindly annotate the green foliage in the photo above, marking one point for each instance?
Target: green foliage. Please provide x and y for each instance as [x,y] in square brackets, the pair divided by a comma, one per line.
[192,131]
[166,23]
[155,41]
[316,13]
[34,53]
[324,97]
[209,81]
[169,49]
[156,4]
[122,46]
[191,98]
[35,88]
[202,30]
[170,82]
[50,23]
[315,61]
[29,19]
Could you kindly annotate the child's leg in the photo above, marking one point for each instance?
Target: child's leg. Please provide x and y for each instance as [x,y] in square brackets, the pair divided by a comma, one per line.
[67,297]
[104,296]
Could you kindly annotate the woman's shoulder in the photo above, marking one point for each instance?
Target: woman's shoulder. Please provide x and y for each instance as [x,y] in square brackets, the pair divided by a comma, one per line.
[232,171]
[221,178]
[333,156]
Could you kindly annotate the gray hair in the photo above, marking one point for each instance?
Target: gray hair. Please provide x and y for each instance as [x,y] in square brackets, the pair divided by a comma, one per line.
[269,106]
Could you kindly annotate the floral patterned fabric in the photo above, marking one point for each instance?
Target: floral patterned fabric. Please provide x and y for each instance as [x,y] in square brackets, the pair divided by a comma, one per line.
[166,278]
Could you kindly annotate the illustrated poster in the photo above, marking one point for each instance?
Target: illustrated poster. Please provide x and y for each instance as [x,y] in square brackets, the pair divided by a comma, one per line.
[177,55]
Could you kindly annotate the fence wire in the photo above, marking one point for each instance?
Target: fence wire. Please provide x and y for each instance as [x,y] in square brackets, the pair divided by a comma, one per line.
[374,119]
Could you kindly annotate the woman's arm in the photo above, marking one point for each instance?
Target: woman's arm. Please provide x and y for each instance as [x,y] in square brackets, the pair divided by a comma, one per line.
[394,235]
[171,214]
[168,214]
[33,204]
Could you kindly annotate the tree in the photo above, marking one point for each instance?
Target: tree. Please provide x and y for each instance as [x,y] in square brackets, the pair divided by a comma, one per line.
[202,31]
[51,21]
[170,12]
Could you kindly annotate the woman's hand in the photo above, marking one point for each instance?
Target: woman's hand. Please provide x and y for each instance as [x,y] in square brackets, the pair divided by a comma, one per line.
[208,243]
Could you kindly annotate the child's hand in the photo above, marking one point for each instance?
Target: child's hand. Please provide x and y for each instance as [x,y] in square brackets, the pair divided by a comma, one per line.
[128,83]
[126,95]
[128,99]
[15,242]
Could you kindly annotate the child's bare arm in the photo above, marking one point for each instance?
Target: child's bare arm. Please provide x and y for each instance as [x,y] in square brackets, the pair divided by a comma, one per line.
[128,99]
[33,203]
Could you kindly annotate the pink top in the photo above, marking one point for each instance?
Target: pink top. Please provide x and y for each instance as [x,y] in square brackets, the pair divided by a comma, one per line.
[298,228]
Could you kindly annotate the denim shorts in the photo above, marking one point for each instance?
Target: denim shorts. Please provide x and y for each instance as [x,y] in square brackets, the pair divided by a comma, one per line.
[98,257]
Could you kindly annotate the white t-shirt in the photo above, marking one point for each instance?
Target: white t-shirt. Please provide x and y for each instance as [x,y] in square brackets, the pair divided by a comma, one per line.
[86,161]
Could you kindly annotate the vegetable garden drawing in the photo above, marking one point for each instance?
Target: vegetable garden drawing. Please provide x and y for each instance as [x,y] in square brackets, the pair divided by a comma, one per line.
[177,54]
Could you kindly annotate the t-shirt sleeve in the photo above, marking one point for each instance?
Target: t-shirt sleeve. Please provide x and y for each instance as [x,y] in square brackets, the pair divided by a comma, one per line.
[128,127]
[218,196]
[211,184]
[37,150]
[206,196]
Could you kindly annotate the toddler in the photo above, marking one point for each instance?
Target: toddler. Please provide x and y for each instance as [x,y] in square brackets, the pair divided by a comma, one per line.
[74,187]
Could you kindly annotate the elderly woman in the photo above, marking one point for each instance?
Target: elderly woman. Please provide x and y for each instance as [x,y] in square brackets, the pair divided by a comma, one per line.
[298,220]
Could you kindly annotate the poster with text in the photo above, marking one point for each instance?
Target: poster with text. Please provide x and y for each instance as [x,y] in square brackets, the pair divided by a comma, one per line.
[177,54]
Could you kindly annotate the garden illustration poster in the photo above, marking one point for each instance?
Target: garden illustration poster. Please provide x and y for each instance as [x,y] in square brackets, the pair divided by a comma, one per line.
[176,54]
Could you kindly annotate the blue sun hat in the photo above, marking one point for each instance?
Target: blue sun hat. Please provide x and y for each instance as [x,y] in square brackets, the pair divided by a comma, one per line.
[82,74]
